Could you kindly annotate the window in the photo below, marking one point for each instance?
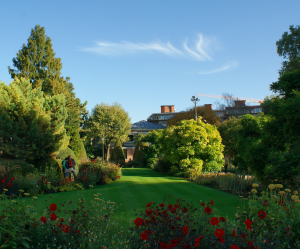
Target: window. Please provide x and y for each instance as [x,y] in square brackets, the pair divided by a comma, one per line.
[125,153]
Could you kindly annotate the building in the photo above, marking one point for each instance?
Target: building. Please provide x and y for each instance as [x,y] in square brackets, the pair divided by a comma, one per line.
[167,112]
[139,127]
[239,109]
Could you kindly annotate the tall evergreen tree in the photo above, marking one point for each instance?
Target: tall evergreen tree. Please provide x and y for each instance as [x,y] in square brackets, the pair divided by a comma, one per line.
[117,155]
[31,125]
[37,62]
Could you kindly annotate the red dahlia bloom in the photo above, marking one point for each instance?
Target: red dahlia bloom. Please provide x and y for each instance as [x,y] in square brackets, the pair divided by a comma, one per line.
[185,229]
[184,209]
[207,210]
[214,221]
[53,217]
[234,247]
[211,202]
[138,221]
[149,204]
[144,236]
[43,219]
[176,205]
[262,214]
[219,233]
[222,219]
[65,228]
[162,205]
[202,204]
[233,233]
[248,223]
[53,207]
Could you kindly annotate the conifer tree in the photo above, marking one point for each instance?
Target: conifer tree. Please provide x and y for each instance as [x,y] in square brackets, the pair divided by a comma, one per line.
[31,125]
[37,62]
[117,155]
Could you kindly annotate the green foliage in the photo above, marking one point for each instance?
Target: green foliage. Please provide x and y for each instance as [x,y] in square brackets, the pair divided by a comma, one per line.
[17,166]
[138,151]
[229,133]
[151,147]
[117,155]
[31,125]
[82,153]
[289,47]
[110,122]
[192,145]
[36,61]
[14,222]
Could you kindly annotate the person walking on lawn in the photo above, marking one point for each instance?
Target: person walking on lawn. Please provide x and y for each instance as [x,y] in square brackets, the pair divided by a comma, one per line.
[71,165]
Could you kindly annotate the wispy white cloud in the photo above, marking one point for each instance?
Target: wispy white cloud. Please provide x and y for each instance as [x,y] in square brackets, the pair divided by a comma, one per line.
[201,50]
[221,69]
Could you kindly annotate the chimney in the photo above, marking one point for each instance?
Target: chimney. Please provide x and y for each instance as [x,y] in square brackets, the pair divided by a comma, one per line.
[239,102]
[167,108]
[208,106]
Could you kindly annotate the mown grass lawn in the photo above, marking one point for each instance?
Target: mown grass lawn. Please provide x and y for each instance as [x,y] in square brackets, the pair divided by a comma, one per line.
[139,186]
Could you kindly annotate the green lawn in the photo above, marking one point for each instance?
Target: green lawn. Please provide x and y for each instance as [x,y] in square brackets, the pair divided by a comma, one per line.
[139,186]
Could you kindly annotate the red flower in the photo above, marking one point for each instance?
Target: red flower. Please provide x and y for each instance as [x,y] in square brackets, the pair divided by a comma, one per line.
[3,181]
[162,205]
[149,204]
[233,233]
[53,207]
[118,177]
[202,204]
[53,216]
[184,209]
[219,233]
[221,240]
[234,247]
[222,219]
[138,222]
[185,229]
[262,214]
[248,223]
[83,178]
[211,202]
[243,236]
[214,221]
[207,210]
[176,206]
[65,228]
[43,219]
[144,236]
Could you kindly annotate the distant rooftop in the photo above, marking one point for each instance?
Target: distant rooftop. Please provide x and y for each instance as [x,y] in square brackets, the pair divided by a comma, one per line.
[146,125]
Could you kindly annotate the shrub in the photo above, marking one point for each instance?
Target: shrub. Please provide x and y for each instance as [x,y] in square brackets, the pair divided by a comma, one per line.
[82,153]
[162,166]
[180,225]
[117,155]
[15,221]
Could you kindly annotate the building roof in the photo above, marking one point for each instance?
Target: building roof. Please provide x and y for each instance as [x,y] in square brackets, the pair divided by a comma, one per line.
[144,125]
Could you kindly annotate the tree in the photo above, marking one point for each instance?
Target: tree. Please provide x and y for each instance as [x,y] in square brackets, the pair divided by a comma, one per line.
[207,115]
[229,132]
[192,145]
[31,125]
[139,145]
[117,155]
[289,48]
[151,147]
[37,62]
[111,122]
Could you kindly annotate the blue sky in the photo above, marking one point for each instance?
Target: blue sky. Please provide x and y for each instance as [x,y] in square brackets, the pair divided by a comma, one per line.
[144,54]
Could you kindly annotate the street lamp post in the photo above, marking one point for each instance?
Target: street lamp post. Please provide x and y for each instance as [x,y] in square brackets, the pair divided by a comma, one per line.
[195,99]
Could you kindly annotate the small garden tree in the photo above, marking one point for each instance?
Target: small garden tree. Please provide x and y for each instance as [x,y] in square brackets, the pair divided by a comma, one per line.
[192,145]
[117,155]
